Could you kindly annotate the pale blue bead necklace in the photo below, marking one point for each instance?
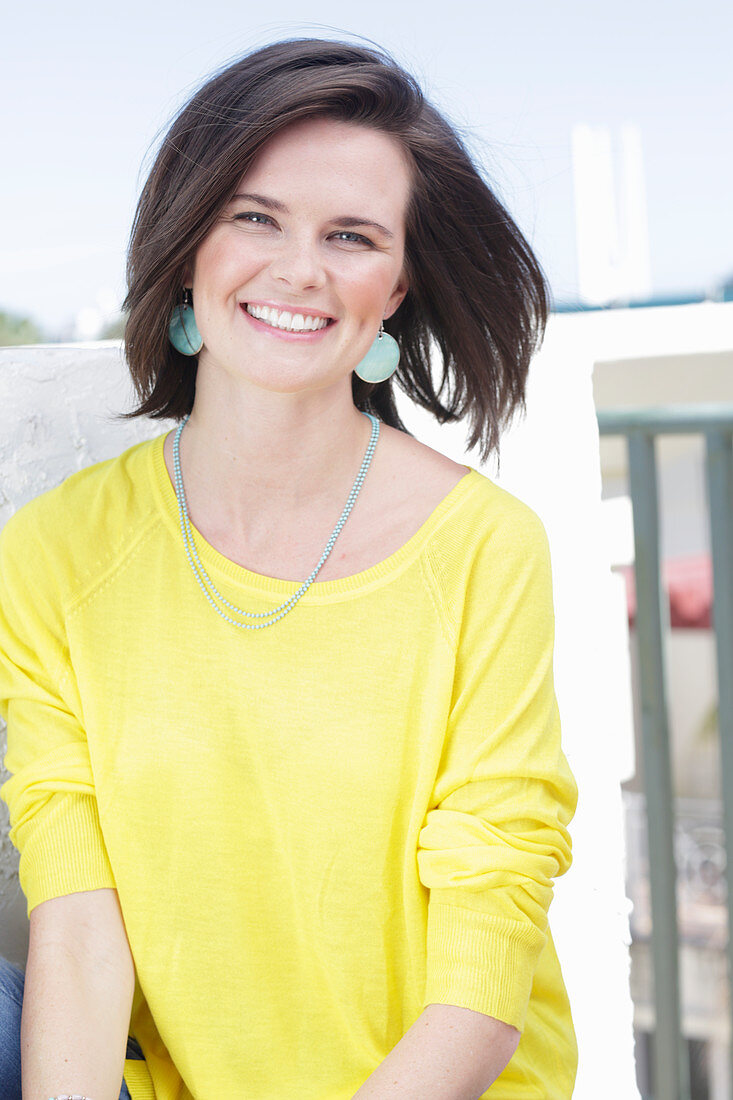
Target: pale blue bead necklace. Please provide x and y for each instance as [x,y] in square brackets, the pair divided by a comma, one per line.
[201,574]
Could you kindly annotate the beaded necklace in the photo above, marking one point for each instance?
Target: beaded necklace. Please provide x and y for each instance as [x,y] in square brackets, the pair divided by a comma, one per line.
[203,577]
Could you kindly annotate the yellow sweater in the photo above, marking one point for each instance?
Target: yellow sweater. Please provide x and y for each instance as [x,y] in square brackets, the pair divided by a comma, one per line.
[315,829]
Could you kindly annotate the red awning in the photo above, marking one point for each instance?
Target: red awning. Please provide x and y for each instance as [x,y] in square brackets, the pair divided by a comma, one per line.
[688,583]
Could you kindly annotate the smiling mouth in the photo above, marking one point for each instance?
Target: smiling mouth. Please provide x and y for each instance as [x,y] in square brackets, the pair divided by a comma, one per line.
[285,320]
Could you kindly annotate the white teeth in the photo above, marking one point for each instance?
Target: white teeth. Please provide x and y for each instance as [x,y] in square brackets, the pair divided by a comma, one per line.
[287,321]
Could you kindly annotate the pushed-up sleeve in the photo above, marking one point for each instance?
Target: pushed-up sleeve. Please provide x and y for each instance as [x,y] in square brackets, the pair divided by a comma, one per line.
[496,835]
[50,795]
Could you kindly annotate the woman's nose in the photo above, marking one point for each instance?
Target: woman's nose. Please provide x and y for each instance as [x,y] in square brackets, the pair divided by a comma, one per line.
[298,263]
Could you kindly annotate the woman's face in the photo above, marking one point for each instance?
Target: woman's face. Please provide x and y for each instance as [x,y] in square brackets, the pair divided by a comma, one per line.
[291,284]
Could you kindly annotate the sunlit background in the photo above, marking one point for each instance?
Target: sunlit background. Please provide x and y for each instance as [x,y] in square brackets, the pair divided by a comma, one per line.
[605,129]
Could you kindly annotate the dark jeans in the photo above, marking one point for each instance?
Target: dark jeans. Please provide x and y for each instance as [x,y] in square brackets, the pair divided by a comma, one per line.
[12,981]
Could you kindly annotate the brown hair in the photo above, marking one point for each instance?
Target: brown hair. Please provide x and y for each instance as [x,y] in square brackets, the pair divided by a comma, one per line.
[477,292]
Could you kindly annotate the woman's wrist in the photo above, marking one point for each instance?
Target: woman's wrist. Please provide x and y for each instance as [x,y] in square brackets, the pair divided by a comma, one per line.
[70,1096]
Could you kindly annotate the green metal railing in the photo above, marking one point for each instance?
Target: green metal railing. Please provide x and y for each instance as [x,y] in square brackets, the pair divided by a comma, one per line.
[640,427]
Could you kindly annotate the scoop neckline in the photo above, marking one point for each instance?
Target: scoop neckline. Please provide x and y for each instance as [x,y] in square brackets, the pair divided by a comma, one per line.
[217,564]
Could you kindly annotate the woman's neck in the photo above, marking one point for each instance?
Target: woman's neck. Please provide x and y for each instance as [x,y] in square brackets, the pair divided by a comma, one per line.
[245,472]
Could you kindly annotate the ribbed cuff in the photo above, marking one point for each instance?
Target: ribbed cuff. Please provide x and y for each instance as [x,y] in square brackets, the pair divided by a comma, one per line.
[138,1080]
[481,962]
[65,852]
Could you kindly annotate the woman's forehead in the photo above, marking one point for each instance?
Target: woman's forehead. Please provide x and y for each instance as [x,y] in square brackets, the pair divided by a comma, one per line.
[328,151]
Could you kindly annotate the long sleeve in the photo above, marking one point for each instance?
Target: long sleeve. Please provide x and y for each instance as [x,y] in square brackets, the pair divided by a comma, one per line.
[496,834]
[50,795]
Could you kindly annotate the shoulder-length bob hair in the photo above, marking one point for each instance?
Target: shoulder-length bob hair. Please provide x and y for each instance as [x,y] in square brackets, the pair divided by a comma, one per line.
[477,303]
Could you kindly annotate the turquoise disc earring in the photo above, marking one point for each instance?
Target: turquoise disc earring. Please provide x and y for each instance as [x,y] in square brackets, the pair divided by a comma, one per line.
[183,331]
[381,360]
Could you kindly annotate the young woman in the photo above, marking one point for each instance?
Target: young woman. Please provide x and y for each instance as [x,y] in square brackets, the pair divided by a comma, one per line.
[286,772]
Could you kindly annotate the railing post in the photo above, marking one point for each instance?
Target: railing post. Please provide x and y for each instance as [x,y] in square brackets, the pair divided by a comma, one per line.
[719,470]
[671,1070]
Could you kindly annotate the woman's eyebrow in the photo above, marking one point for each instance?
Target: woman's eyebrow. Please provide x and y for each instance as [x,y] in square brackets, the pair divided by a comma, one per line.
[345,222]
[352,223]
[262,200]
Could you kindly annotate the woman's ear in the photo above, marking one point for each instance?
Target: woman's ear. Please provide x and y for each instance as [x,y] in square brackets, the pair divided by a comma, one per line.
[397,296]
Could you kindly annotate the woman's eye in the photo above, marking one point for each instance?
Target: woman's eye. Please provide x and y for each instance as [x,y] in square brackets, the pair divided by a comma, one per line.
[253,218]
[352,238]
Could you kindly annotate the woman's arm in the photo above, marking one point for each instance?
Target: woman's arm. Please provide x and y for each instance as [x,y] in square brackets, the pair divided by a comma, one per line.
[79,984]
[449,1053]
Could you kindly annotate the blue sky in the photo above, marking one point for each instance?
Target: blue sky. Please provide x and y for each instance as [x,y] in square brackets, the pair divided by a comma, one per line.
[86,91]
